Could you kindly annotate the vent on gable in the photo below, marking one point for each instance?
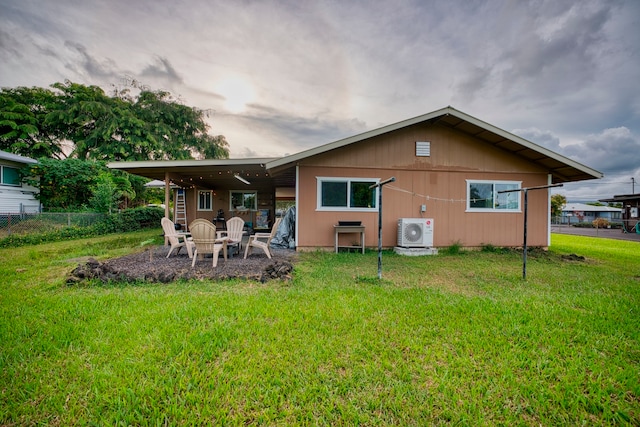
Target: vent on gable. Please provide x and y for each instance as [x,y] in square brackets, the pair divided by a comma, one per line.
[423,149]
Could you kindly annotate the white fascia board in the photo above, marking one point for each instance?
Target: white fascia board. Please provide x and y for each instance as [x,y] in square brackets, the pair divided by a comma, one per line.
[187,163]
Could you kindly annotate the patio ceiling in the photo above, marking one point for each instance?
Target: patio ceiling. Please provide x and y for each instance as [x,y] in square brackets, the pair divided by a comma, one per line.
[209,174]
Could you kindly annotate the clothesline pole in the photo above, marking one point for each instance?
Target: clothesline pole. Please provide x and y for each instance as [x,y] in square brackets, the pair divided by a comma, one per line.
[526,208]
[379,185]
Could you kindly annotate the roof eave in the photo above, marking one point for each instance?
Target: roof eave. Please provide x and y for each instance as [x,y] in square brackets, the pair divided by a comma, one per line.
[187,163]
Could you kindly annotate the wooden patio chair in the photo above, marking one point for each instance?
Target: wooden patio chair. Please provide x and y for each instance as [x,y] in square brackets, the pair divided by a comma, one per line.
[256,242]
[175,239]
[234,232]
[204,237]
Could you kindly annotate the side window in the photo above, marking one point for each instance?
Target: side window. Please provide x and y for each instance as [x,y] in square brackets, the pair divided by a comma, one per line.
[485,196]
[10,176]
[344,194]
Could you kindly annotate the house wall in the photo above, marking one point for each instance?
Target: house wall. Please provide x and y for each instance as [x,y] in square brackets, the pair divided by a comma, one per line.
[438,181]
[221,200]
[20,199]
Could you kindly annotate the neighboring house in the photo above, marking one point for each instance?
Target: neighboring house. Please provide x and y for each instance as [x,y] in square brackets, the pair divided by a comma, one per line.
[448,166]
[630,210]
[579,212]
[16,197]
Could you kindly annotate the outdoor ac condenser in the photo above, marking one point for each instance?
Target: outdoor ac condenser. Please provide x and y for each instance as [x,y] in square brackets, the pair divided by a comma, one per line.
[415,232]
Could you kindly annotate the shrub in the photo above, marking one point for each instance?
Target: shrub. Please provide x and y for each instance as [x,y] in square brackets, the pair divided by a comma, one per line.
[600,223]
[122,222]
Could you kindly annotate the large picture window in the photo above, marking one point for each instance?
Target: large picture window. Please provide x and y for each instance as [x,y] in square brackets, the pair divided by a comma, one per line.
[204,201]
[347,194]
[9,176]
[485,196]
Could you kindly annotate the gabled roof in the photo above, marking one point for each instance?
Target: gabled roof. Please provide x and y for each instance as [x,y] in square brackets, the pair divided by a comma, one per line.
[16,158]
[561,168]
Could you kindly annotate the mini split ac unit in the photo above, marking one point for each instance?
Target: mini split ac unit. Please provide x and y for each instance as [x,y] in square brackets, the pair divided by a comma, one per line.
[415,232]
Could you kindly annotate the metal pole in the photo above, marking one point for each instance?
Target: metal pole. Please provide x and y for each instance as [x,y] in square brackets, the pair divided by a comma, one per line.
[380,233]
[526,203]
[524,255]
[379,185]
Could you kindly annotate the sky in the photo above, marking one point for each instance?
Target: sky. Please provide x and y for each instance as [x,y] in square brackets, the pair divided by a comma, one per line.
[279,77]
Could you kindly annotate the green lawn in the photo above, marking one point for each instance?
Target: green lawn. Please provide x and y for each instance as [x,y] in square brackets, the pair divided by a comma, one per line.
[450,339]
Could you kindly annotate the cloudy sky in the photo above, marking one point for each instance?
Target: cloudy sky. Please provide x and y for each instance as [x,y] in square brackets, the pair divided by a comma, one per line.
[279,77]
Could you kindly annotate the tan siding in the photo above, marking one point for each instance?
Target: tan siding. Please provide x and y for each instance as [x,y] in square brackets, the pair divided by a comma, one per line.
[449,151]
[438,181]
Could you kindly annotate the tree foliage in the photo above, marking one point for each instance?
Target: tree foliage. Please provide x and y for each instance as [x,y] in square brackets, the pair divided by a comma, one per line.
[23,126]
[73,129]
[83,122]
[64,184]
[557,203]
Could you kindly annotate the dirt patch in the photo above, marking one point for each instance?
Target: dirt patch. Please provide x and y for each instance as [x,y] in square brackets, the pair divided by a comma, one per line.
[153,266]
[573,257]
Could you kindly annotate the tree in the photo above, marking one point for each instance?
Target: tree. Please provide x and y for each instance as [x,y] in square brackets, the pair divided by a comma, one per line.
[85,123]
[181,131]
[64,184]
[213,147]
[23,127]
[105,194]
[88,127]
[558,201]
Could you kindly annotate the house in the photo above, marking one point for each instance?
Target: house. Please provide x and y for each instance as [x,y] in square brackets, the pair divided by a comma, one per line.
[16,197]
[449,167]
[580,212]
[630,210]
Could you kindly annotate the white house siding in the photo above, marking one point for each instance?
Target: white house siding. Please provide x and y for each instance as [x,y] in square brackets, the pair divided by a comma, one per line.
[580,212]
[17,199]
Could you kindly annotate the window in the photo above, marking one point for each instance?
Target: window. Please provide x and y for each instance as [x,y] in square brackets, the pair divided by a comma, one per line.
[243,200]
[204,201]
[484,196]
[335,194]
[10,176]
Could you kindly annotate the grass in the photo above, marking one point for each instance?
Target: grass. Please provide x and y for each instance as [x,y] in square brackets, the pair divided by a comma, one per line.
[456,339]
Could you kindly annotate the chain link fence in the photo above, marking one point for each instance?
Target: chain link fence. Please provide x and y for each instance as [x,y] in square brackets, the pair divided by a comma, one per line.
[29,223]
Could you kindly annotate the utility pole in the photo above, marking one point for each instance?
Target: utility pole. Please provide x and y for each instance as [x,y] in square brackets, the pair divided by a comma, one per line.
[633,185]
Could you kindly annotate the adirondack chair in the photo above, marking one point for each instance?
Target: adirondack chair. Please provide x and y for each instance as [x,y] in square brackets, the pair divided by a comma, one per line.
[234,232]
[175,239]
[204,237]
[262,240]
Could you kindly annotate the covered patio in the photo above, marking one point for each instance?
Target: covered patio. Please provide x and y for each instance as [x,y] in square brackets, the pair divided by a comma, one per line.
[217,189]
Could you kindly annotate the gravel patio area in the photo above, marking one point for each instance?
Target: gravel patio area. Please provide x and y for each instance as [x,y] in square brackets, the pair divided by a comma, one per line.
[152,265]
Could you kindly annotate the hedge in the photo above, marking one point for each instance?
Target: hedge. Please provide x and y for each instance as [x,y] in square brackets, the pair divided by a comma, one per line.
[121,222]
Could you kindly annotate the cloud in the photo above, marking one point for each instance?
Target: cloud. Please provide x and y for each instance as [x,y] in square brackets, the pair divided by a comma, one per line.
[162,69]
[280,132]
[544,138]
[9,45]
[91,67]
[562,73]
[613,151]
